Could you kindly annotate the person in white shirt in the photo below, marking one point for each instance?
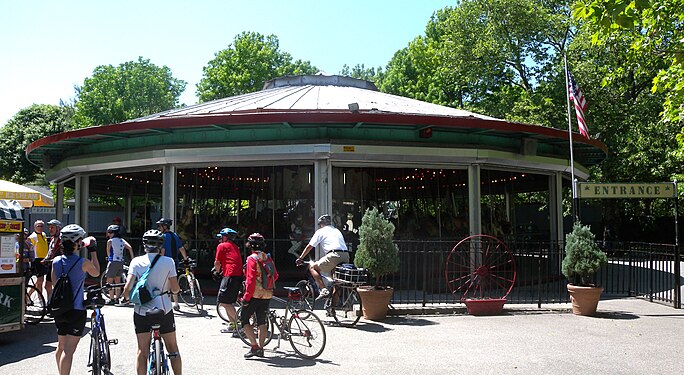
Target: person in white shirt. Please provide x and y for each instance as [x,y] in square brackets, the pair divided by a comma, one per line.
[115,259]
[161,279]
[335,249]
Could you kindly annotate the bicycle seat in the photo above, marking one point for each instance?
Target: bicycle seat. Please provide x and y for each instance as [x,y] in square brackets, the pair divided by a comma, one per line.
[292,289]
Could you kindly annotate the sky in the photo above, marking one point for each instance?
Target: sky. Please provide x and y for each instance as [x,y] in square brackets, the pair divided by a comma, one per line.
[48,47]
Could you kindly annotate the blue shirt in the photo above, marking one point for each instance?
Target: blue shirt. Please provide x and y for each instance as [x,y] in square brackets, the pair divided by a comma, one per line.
[77,277]
[169,250]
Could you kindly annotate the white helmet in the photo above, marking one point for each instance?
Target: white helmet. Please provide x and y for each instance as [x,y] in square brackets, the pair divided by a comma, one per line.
[73,233]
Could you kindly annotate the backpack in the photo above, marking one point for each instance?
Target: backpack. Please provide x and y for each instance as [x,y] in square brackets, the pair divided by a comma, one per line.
[62,297]
[140,294]
[267,269]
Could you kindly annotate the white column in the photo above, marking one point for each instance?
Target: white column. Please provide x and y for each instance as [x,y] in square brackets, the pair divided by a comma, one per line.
[59,202]
[474,194]
[169,192]
[556,206]
[322,192]
[82,194]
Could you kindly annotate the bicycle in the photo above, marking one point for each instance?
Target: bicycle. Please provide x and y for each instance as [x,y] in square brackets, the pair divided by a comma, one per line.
[190,293]
[35,307]
[344,303]
[158,361]
[103,281]
[99,359]
[303,328]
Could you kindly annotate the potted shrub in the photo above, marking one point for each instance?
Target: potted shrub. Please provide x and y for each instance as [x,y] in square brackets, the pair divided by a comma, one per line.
[583,258]
[379,256]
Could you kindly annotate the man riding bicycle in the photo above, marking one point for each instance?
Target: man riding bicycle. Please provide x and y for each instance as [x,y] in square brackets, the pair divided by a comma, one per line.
[335,249]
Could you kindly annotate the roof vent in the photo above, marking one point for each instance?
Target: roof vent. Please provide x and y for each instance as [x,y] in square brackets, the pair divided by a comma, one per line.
[319,80]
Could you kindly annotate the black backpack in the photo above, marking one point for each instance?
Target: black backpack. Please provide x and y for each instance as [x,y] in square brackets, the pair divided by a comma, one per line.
[62,297]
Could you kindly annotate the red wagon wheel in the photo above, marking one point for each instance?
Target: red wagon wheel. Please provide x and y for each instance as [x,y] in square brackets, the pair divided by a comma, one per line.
[480,267]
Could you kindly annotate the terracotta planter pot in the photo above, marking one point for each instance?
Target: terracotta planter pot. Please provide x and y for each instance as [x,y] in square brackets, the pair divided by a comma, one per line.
[482,307]
[584,299]
[375,302]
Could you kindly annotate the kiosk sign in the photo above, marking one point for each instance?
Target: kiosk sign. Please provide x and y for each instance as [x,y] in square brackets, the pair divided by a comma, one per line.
[626,190]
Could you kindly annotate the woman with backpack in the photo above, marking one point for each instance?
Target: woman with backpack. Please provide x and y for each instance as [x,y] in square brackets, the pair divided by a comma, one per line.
[71,322]
[260,279]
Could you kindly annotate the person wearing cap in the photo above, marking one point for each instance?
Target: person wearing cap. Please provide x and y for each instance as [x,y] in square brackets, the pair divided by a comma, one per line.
[228,262]
[39,245]
[335,249]
[173,247]
[116,220]
[115,259]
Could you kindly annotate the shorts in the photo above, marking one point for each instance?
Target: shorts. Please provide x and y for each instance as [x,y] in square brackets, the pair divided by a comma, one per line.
[39,269]
[256,306]
[71,323]
[143,324]
[229,289]
[114,269]
[331,260]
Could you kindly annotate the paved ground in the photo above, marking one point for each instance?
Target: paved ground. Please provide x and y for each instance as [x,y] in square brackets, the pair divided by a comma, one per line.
[629,336]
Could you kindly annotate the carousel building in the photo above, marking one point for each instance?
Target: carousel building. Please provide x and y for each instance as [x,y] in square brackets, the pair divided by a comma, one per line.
[273,161]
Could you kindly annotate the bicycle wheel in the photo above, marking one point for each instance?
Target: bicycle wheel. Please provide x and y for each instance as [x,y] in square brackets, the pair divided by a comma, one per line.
[152,361]
[105,358]
[221,312]
[308,300]
[347,306]
[184,294]
[252,322]
[199,298]
[307,334]
[36,308]
[103,281]
[95,350]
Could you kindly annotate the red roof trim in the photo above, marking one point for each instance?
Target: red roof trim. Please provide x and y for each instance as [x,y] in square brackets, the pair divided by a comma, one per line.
[327,116]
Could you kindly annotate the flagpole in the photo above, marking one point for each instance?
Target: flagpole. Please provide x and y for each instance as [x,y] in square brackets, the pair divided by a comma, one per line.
[572,159]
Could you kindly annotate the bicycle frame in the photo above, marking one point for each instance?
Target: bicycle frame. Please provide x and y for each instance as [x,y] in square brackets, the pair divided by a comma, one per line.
[154,366]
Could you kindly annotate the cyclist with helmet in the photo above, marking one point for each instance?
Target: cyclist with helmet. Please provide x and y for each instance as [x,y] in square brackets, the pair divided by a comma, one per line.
[54,249]
[71,324]
[228,262]
[161,278]
[115,259]
[256,299]
[335,249]
[173,247]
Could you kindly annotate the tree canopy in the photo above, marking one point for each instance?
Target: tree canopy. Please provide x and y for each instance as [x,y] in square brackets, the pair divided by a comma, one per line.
[244,67]
[28,125]
[131,90]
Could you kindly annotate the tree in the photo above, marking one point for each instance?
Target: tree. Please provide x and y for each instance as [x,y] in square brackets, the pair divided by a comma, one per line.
[653,28]
[131,90]
[244,67]
[361,72]
[27,126]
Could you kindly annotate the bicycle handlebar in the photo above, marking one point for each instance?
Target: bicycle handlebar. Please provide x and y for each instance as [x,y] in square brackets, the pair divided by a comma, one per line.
[95,288]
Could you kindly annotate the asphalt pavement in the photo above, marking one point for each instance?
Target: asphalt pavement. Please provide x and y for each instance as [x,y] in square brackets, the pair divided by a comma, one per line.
[628,336]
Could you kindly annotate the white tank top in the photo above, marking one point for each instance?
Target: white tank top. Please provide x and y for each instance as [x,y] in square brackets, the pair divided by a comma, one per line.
[116,249]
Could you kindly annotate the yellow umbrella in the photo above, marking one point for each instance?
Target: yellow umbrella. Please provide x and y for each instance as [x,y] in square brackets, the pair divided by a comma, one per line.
[27,197]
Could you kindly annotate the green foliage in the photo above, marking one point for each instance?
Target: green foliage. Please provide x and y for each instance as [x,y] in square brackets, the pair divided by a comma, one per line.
[244,67]
[376,252]
[583,258]
[131,90]
[359,71]
[27,126]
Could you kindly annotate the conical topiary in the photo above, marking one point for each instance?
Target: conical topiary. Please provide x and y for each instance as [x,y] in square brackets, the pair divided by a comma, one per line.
[583,258]
[376,252]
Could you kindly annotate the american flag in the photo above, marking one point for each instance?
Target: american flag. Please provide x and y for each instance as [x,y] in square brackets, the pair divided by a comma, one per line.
[575,94]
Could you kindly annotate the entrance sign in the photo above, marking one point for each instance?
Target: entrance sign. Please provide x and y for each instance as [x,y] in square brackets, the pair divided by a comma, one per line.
[627,190]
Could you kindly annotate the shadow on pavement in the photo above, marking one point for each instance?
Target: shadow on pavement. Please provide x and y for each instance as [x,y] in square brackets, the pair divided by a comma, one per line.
[408,321]
[290,360]
[617,315]
[13,349]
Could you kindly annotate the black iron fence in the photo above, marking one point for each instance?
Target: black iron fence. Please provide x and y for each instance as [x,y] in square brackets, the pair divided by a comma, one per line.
[634,269]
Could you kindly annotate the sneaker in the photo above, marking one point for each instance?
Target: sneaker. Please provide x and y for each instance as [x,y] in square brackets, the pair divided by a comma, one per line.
[123,303]
[111,302]
[255,352]
[176,307]
[324,294]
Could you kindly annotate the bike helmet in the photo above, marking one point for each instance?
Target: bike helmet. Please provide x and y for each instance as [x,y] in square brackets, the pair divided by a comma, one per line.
[113,228]
[256,241]
[153,239]
[55,222]
[228,232]
[73,233]
[325,220]
[165,222]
